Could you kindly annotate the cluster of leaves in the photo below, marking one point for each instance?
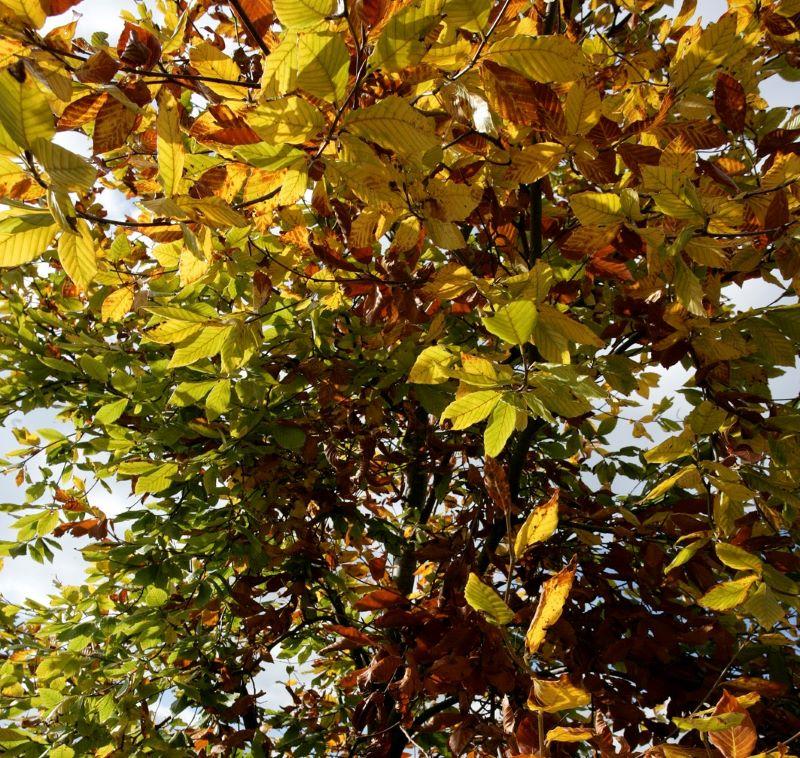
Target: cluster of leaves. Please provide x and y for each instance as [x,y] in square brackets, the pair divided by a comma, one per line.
[393,273]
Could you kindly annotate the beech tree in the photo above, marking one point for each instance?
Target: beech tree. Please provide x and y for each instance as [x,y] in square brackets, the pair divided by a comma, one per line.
[372,343]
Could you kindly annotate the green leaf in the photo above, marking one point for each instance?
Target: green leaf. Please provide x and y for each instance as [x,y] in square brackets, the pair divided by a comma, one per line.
[706,418]
[483,598]
[155,597]
[109,413]
[688,289]
[219,399]
[498,430]
[203,344]
[471,408]
[686,553]
[513,323]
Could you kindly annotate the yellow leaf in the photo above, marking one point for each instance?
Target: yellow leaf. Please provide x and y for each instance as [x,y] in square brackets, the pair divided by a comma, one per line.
[483,598]
[539,526]
[597,208]
[394,125]
[76,251]
[323,61]
[501,424]
[302,14]
[471,408]
[736,557]
[582,109]
[535,161]
[117,304]
[569,734]
[544,59]
[170,143]
[567,327]
[513,323]
[24,111]
[431,366]
[68,171]
[716,42]
[25,237]
[289,119]
[212,62]
[29,12]
[553,695]
[671,449]
[551,603]
[402,41]
[727,595]
[204,344]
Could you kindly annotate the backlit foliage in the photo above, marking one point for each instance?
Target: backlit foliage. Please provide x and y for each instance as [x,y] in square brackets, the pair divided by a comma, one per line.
[364,303]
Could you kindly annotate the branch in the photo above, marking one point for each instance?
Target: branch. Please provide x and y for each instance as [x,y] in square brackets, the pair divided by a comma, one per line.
[249,25]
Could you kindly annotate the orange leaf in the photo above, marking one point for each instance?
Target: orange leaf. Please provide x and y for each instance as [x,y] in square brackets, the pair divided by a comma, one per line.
[739,740]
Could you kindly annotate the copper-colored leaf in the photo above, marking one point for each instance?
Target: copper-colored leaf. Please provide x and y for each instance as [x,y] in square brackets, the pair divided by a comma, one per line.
[738,741]
[114,123]
[730,102]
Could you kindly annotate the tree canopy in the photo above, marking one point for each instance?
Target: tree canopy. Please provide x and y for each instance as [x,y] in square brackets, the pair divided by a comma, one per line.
[366,303]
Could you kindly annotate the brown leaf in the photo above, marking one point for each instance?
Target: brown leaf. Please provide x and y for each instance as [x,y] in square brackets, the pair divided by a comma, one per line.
[100,68]
[730,102]
[259,13]
[739,740]
[378,599]
[496,482]
[778,210]
[82,111]
[137,47]
[114,123]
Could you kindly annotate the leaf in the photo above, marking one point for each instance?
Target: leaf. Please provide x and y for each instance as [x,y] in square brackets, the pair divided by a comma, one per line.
[512,323]
[117,304]
[471,408]
[288,119]
[738,741]
[715,43]
[568,734]
[67,171]
[155,597]
[205,344]
[543,59]
[170,143]
[686,553]
[555,592]
[402,42]
[483,598]
[553,695]
[535,162]
[323,61]
[706,418]
[597,208]
[302,14]
[671,449]
[114,122]
[737,558]
[582,108]
[568,328]
[500,427]
[76,251]
[727,595]
[431,366]
[705,724]
[688,289]
[211,62]
[730,102]
[24,111]
[763,605]
[218,400]
[25,237]
[110,412]
[540,524]
[394,125]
